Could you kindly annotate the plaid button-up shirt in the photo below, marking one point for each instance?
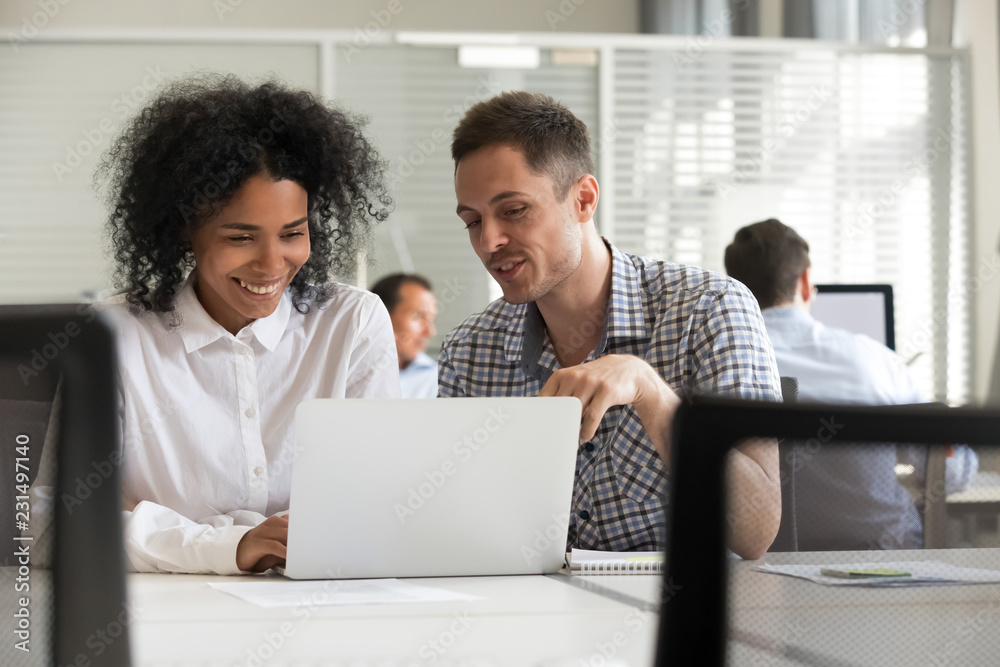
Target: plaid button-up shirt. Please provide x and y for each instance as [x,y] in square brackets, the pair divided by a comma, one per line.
[701,331]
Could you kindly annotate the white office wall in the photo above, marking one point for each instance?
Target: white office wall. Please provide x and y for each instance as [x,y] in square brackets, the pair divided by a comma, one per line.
[60,105]
[460,15]
[976,27]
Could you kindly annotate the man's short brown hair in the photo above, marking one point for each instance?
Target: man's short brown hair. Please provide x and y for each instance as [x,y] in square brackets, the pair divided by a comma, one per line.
[388,288]
[553,141]
[768,257]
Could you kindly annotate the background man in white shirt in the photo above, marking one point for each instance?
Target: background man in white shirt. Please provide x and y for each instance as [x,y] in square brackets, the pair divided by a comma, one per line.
[845,498]
[412,309]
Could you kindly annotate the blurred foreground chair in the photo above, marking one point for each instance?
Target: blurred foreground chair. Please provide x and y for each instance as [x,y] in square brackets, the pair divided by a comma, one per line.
[787,538]
[69,611]
[693,627]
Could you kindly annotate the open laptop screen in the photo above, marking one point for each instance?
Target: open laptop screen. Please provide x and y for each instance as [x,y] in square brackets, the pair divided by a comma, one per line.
[864,309]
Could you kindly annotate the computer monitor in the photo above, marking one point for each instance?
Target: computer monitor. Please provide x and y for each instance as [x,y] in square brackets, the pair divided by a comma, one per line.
[864,309]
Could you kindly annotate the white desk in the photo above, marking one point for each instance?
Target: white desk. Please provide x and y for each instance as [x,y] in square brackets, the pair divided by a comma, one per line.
[942,625]
[550,622]
[522,621]
[777,620]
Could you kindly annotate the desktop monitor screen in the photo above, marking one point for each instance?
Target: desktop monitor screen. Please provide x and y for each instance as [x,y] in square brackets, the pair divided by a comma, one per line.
[864,309]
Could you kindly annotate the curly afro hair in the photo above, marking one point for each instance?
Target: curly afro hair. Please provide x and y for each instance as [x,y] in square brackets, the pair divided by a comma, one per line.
[179,162]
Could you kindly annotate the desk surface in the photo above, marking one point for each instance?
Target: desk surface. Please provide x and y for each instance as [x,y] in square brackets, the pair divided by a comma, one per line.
[579,621]
[521,621]
[941,625]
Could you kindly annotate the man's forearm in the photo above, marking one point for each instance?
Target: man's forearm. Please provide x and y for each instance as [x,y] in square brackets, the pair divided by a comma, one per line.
[754,487]
[754,491]
[656,410]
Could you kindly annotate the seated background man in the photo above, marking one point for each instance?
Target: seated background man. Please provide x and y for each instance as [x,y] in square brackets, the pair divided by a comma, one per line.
[624,334]
[412,309]
[845,498]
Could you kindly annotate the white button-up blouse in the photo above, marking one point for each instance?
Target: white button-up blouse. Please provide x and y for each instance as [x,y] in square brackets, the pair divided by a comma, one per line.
[207,416]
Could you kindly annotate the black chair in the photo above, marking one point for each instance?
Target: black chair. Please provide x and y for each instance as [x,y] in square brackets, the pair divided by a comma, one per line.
[86,586]
[693,628]
[787,538]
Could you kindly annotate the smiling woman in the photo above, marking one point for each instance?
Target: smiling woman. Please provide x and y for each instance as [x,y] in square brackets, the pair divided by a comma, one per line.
[231,207]
[247,255]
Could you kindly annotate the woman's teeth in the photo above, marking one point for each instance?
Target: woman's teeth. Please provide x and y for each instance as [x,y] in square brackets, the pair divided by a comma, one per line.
[261,290]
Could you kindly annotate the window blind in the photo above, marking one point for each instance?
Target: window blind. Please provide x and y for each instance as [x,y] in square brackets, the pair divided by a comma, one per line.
[863,153]
[862,150]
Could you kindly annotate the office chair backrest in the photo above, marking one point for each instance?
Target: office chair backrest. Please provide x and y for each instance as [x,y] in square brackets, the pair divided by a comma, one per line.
[26,396]
[787,538]
[789,389]
[27,421]
[693,627]
[86,589]
[933,511]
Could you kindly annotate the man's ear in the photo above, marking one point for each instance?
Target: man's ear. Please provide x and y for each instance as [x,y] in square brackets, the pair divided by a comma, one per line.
[585,194]
[805,286]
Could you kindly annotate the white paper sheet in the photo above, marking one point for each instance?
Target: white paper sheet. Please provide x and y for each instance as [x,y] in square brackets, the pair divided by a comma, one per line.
[287,593]
[925,573]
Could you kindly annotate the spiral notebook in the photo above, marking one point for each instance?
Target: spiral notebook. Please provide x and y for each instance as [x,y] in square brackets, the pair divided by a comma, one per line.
[586,561]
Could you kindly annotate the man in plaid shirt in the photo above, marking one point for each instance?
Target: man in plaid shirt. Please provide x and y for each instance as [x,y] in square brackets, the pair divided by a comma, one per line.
[624,334]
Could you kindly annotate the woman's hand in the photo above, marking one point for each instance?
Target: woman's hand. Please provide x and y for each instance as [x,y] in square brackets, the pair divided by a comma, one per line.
[265,546]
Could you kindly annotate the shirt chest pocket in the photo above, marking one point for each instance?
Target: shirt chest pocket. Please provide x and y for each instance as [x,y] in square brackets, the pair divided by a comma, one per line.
[638,471]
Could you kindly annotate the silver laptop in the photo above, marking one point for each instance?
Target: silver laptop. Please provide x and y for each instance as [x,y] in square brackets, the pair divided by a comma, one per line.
[431,487]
